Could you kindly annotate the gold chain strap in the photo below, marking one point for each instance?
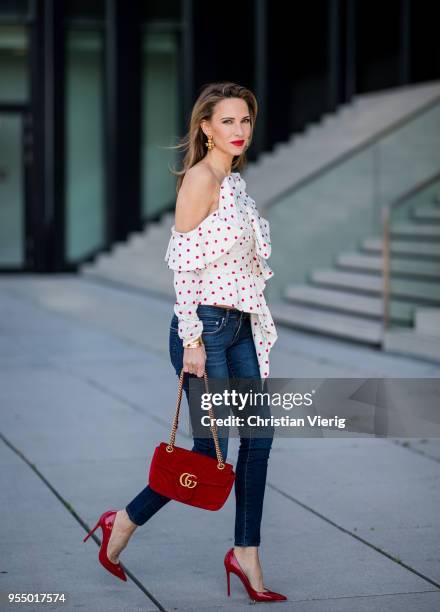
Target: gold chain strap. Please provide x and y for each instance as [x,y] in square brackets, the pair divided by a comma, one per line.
[170,446]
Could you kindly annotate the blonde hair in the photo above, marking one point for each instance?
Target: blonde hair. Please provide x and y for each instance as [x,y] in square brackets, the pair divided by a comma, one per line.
[194,141]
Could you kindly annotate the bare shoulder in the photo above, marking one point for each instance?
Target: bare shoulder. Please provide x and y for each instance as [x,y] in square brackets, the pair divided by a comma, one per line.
[195,198]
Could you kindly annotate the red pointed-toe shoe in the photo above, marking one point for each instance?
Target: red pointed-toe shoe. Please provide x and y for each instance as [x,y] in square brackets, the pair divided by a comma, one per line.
[232,565]
[106,521]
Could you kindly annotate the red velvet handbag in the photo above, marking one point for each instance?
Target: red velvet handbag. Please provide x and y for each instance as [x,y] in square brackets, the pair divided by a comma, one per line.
[189,476]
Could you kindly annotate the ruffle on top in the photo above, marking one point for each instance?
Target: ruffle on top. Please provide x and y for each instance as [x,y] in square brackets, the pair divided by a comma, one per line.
[231,279]
[261,229]
[219,231]
[263,244]
[223,261]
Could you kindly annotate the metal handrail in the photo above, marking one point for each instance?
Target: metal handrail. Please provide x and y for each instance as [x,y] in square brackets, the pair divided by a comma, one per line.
[386,232]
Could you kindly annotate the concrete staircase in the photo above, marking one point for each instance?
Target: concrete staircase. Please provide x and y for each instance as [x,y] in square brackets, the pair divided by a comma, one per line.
[346,300]
[422,341]
[337,134]
[139,262]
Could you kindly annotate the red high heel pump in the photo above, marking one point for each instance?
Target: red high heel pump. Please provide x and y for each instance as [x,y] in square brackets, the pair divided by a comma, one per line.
[106,521]
[232,565]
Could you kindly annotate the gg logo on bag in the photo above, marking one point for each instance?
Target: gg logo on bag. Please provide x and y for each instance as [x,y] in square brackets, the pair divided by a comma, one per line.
[187,482]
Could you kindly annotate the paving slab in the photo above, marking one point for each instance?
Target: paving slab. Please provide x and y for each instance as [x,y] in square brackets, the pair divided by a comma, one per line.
[86,399]
[43,552]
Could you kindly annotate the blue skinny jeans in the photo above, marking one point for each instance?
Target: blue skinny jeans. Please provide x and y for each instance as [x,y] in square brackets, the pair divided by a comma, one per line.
[230,352]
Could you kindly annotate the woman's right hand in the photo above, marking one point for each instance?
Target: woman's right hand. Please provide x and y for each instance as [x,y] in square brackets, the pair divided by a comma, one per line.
[194,360]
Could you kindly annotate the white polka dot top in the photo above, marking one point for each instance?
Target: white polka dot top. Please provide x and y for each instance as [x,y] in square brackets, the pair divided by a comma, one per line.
[223,261]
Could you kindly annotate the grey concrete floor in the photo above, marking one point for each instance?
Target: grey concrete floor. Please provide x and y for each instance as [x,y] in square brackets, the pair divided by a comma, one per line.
[87,390]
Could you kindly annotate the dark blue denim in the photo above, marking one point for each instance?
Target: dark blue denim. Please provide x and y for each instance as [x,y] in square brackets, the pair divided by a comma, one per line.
[230,352]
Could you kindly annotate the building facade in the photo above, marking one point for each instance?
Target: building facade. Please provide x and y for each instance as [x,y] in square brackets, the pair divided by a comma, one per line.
[94,92]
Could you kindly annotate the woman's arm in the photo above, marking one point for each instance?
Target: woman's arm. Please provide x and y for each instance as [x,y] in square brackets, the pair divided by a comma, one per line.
[186,285]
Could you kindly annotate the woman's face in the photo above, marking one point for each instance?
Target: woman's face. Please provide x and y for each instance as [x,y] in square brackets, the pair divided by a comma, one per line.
[230,126]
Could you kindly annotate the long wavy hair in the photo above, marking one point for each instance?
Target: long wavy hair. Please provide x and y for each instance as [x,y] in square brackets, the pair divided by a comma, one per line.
[193,143]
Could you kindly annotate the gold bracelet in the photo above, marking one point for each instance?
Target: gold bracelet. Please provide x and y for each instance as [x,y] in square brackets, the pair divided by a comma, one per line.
[194,343]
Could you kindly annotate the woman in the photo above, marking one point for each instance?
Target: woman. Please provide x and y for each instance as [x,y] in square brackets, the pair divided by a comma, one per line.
[217,250]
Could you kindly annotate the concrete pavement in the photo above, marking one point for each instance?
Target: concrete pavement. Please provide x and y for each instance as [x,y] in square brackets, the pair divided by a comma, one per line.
[85,395]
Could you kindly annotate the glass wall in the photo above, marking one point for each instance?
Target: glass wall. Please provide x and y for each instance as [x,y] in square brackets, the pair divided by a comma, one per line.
[14,90]
[14,82]
[345,203]
[11,191]
[159,119]
[84,164]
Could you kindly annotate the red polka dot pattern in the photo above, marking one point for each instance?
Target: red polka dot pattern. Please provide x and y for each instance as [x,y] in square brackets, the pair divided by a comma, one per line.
[223,261]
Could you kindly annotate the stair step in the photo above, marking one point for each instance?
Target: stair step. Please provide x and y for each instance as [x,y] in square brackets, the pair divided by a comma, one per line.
[334,324]
[415,230]
[140,278]
[144,245]
[409,342]
[427,321]
[132,263]
[426,213]
[403,248]
[358,261]
[417,291]
[135,258]
[167,219]
[350,303]
[152,233]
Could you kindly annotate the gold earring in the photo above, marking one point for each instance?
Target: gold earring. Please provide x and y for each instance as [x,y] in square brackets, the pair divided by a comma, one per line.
[210,143]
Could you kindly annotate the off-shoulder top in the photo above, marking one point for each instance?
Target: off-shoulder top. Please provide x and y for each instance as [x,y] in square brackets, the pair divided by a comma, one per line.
[223,261]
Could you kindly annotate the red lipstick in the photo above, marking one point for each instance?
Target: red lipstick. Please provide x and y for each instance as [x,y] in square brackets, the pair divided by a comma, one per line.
[238,143]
